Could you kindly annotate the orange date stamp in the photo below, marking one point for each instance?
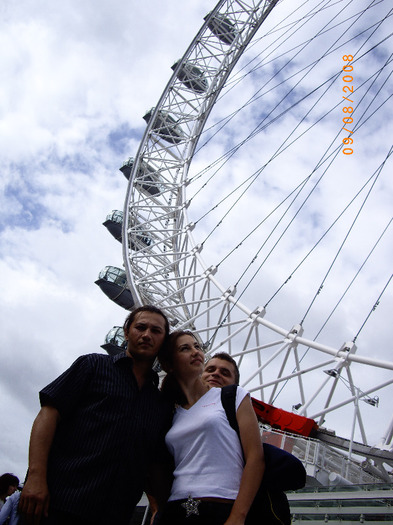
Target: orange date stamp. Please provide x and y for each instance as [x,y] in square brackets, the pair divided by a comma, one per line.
[348,90]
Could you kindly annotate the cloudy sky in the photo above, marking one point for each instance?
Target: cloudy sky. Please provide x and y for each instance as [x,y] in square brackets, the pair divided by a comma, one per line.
[77,77]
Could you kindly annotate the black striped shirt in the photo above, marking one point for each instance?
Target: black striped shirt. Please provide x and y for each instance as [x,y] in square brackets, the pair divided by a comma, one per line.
[108,433]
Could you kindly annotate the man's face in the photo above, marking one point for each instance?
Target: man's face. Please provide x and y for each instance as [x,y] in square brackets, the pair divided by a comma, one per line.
[219,373]
[145,336]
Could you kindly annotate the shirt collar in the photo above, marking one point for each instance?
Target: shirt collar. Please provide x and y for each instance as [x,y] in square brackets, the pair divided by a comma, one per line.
[119,358]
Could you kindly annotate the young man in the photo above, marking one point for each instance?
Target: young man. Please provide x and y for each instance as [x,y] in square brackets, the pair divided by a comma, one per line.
[221,370]
[283,470]
[101,424]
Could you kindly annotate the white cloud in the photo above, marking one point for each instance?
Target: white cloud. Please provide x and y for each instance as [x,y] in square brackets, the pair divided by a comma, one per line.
[79,78]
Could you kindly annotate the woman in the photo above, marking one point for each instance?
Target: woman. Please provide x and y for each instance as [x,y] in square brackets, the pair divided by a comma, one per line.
[215,476]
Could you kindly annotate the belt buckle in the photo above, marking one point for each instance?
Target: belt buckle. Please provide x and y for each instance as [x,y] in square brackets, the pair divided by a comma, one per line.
[191,506]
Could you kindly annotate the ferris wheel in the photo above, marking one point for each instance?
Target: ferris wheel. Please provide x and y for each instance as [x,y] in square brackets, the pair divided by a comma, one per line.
[259,197]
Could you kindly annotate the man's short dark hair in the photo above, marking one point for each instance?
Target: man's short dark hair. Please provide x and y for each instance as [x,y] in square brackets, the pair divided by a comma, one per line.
[226,357]
[146,308]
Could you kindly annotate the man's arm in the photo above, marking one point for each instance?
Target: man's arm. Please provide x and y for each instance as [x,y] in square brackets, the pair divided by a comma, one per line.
[34,500]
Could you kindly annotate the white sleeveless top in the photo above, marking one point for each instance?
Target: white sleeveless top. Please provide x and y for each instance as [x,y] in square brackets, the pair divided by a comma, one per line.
[207,452]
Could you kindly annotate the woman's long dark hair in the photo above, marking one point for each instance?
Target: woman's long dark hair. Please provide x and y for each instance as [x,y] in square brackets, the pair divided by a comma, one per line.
[170,386]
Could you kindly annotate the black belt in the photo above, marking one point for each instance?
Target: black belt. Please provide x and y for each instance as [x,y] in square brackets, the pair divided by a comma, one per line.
[191,505]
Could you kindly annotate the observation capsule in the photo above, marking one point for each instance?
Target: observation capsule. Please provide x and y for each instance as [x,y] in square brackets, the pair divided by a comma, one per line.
[115,342]
[192,77]
[113,282]
[222,27]
[113,223]
[165,126]
[146,179]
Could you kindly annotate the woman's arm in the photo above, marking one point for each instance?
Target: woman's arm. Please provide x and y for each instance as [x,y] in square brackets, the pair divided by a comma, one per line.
[254,462]
[34,500]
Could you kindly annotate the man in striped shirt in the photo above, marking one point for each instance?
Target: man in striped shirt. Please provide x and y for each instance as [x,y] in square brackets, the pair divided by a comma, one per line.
[101,424]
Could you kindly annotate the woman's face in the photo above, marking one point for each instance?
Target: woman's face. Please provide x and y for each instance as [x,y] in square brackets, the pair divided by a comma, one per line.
[188,357]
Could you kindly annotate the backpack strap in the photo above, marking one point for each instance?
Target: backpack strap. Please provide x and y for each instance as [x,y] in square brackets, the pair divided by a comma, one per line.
[228,400]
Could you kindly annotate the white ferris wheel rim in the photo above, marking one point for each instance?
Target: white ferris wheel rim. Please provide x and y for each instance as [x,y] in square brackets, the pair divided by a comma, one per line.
[162,273]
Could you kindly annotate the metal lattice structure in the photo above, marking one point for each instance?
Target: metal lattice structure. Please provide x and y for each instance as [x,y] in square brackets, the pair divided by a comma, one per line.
[165,263]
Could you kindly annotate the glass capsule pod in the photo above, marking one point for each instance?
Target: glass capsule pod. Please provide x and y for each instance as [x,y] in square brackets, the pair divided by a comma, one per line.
[192,77]
[113,282]
[146,180]
[165,126]
[115,342]
[222,27]
[114,223]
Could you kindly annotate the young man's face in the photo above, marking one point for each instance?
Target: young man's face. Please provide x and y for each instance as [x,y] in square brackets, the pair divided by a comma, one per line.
[219,372]
[145,336]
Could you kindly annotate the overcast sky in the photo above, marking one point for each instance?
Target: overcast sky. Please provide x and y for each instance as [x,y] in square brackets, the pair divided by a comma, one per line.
[77,77]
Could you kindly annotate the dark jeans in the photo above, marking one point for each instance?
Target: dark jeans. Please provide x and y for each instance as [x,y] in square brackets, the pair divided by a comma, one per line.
[209,513]
[57,517]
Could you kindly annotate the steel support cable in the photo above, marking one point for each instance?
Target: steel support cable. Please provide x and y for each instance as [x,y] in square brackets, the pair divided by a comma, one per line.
[380,169]
[235,149]
[303,45]
[257,173]
[255,98]
[340,248]
[374,307]
[360,121]
[257,40]
[301,186]
[280,27]
[286,229]
[339,301]
[374,176]
[254,177]
[237,78]
[255,276]
[359,125]
[257,130]
[260,266]
[230,152]
[321,238]
[353,280]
